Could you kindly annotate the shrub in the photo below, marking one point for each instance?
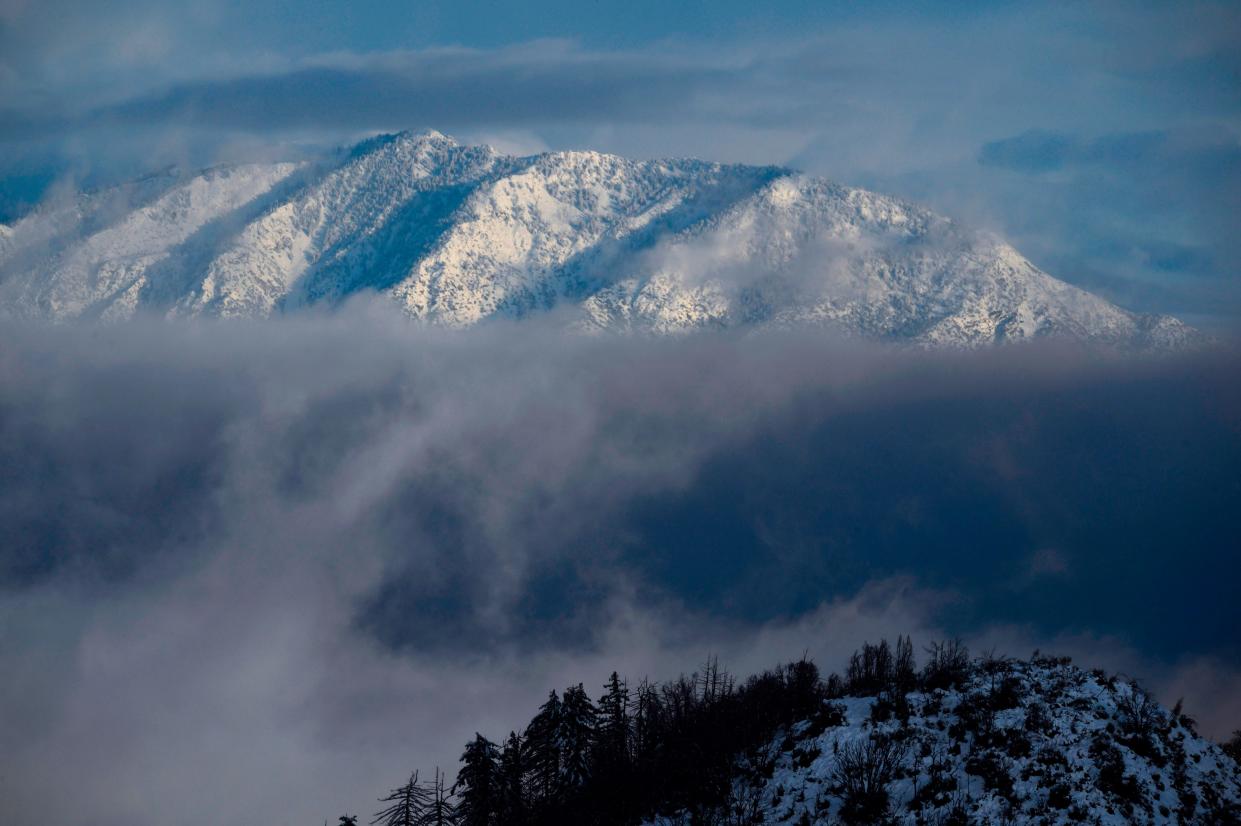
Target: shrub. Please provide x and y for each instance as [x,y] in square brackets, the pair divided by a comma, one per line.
[863,771]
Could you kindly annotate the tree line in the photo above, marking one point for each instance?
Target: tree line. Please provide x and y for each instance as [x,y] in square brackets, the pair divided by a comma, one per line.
[679,748]
[648,749]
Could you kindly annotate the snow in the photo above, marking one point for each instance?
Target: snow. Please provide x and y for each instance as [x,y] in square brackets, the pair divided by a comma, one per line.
[106,270]
[1081,707]
[456,235]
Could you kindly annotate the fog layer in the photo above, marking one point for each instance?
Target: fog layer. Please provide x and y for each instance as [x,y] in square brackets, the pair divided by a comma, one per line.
[259,572]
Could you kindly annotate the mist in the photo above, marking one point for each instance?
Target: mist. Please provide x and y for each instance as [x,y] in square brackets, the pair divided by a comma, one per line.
[258,572]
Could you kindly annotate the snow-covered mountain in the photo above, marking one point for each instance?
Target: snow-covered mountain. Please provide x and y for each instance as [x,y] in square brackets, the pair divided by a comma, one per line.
[459,234]
[1039,741]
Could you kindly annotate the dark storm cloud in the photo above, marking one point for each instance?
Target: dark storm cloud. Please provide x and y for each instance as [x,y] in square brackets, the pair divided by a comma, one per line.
[325,551]
[792,466]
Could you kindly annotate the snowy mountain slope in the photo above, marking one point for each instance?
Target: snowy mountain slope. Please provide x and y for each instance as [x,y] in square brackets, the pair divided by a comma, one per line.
[1017,742]
[105,272]
[330,237]
[457,234]
[62,222]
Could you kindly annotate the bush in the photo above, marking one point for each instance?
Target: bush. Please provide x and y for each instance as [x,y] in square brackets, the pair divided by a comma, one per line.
[995,776]
[863,771]
[1112,779]
[1233,747]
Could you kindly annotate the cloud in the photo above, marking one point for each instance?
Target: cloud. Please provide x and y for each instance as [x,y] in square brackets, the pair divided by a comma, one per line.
[1142,217]
[544,82]
[324,551]
[1209,150]
[1033,151]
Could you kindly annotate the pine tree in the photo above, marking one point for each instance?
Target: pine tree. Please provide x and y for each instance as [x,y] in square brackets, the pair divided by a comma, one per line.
[478,784]
[543,748]
[512,780]
[409,804]
[579,718]
[612,737]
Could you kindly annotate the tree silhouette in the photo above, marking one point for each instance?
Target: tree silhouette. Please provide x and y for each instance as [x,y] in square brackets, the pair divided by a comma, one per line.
[479,796]
[863,771]
[543,744]
[577,734]
[612,733]
[440,810]
[409,803]
[512,780]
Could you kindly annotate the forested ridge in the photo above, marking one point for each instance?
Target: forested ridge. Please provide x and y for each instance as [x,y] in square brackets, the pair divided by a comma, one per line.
[958,740]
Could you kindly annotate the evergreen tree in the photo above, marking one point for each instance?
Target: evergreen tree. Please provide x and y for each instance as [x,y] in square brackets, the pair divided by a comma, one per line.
[579,718]
[512,780]
[543,748]
[478,784]
[409,804]
[612,737]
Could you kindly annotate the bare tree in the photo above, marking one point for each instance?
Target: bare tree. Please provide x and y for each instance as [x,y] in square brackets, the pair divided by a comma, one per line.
[861,776]
[408,805]
[440,810]
[947,664]
[1138,711]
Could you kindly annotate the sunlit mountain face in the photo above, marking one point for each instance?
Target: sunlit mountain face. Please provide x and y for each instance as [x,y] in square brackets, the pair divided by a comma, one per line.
[457,235]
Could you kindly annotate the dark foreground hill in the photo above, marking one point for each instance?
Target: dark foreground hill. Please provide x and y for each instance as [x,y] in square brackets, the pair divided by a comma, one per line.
[986,740]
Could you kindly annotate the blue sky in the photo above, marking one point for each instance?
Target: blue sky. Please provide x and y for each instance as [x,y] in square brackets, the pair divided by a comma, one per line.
[1104,140]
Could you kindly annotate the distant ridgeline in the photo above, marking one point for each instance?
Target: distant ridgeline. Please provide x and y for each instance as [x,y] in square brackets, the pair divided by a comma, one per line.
[456,235]
[959,741]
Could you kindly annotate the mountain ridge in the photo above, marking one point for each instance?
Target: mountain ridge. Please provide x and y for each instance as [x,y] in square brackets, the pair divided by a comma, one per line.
[456,235]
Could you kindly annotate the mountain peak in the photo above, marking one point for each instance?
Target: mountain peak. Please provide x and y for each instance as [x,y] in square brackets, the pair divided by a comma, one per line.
[426,136]
[459,234]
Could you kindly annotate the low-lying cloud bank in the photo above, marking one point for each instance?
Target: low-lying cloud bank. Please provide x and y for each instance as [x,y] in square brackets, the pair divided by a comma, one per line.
[255,572]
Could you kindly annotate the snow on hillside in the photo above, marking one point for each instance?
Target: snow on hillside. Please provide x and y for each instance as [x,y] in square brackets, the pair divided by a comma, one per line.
[456,235]
[1017,742]
[106,273]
